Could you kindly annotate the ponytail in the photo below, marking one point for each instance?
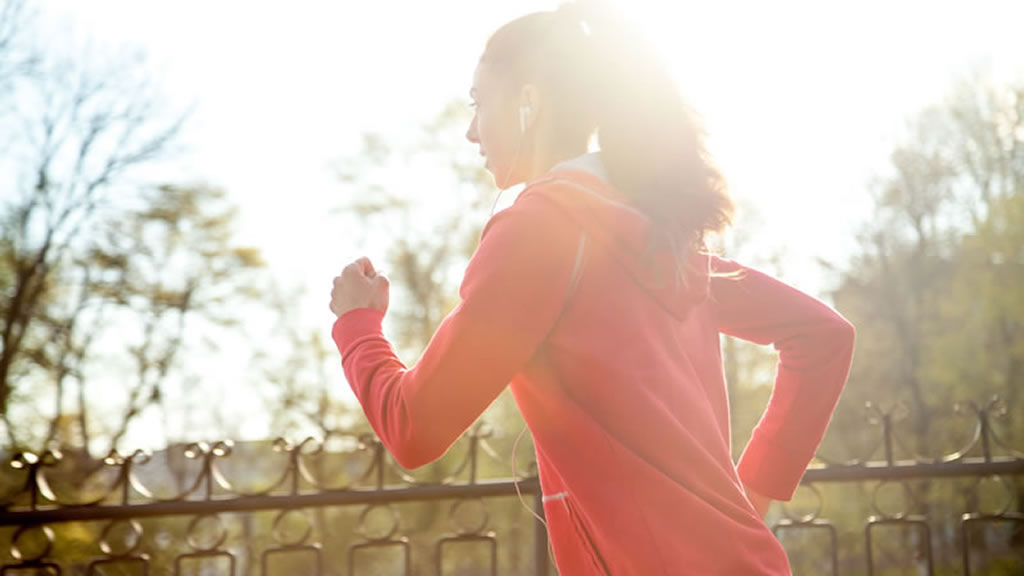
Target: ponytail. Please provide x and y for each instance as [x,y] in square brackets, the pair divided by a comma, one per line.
[600,76]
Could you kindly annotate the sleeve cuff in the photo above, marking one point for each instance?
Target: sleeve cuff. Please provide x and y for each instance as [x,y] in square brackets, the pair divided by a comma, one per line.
[770,469]
[354,325]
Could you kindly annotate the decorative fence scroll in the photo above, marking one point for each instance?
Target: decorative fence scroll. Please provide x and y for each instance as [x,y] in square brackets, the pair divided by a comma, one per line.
[340,505]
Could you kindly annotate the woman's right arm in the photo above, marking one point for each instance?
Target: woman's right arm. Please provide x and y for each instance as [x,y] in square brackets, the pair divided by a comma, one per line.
[815,346]
[512,294]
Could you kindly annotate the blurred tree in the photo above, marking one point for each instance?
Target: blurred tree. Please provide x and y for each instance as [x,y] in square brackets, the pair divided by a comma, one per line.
[16,60]
[934,287]
[940,238]
[432,231]
[89,252]
[167,267]
[300,396]
[984,306]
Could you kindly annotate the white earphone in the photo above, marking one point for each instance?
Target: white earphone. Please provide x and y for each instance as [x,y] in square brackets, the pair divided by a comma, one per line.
[524,114]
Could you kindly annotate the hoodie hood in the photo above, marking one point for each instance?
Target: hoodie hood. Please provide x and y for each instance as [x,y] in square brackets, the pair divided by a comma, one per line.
[581,189]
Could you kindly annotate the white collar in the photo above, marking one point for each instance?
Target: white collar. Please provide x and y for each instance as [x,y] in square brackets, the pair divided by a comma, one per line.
[589,162]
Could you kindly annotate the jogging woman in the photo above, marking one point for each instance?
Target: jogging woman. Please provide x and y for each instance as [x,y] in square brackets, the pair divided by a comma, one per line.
[593,297]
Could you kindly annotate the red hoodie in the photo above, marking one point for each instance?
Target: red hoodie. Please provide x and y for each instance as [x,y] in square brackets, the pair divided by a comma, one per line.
[617,370]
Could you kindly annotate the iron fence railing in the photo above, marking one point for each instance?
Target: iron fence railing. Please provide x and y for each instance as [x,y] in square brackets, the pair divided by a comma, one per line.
[124,514]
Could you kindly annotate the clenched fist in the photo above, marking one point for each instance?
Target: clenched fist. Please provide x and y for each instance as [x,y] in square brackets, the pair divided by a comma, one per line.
[359,286]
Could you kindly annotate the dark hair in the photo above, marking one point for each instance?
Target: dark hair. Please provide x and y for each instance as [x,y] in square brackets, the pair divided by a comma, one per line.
[599,75]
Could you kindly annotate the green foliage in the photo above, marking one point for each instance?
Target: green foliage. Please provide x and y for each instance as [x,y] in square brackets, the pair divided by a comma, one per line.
[934,292]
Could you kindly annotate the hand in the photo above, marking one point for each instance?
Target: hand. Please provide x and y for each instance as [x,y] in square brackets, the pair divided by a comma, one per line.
[359,286]
[761,503]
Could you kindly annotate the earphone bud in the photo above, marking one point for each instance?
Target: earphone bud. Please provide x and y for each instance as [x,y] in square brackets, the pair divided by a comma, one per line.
[524,114]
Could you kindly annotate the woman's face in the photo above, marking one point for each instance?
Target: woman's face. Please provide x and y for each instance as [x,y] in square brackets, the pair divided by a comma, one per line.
[495,128]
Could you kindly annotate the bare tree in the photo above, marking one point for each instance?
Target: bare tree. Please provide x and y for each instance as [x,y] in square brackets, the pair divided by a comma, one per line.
[15,59]
[89,248]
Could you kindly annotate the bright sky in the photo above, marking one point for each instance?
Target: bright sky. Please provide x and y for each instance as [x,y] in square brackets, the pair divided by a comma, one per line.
[803,99]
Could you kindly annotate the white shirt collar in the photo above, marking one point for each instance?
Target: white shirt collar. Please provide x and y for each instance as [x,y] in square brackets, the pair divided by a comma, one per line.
[589,162]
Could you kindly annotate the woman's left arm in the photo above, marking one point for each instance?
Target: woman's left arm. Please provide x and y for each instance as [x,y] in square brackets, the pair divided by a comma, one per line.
[511,295]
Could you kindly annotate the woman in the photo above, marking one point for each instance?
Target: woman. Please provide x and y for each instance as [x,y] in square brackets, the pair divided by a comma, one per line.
[594,298]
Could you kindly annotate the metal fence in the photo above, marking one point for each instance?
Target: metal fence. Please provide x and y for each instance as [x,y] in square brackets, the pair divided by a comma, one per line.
[125,525]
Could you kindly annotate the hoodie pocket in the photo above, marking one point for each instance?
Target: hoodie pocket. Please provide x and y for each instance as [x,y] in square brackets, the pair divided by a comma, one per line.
[562,503]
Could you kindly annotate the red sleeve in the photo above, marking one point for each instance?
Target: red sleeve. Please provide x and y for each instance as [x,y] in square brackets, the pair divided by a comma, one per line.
[815,347]
[511,295]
